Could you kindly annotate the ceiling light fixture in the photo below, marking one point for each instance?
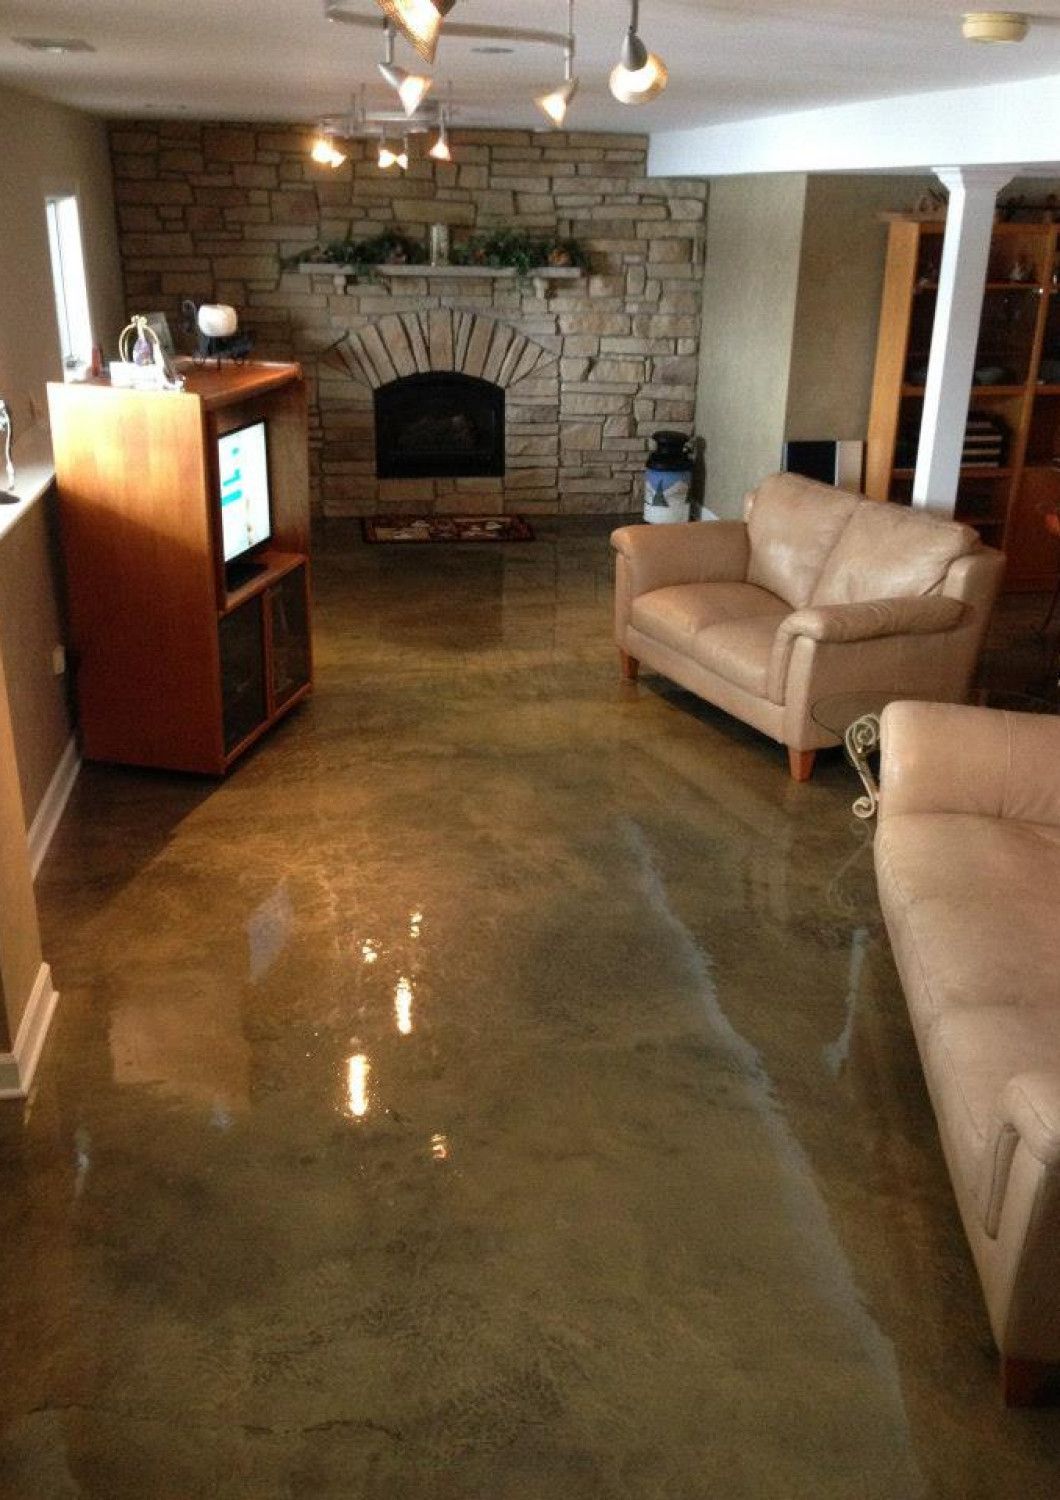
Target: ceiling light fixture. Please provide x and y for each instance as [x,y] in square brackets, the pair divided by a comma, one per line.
[57,45]
[419,21]
[391,155]
[994,25]
[556,102]
[324,150]
[411,88]
[441,150]
[640,75]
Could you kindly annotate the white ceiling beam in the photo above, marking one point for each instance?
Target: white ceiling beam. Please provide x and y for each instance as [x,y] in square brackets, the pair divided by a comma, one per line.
[987,126]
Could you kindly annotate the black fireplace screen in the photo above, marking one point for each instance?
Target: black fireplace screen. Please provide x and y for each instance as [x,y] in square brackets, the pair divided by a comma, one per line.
[441,425]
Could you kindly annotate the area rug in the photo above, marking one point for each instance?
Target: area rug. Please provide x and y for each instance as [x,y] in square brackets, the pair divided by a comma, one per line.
[447,529]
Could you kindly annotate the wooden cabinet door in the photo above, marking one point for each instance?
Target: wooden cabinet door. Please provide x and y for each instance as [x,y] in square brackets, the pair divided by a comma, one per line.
[289,654]
[243,683]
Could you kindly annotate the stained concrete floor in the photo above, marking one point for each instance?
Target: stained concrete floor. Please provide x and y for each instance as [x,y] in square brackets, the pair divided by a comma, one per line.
[498,1088]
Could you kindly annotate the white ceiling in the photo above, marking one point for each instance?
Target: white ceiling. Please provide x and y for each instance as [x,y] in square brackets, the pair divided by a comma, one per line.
[280,59]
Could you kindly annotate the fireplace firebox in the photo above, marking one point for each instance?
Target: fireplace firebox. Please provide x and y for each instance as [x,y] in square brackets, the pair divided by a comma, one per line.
[439,425]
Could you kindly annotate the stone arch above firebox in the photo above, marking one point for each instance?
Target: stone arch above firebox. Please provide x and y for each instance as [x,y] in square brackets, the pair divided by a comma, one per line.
[410,343]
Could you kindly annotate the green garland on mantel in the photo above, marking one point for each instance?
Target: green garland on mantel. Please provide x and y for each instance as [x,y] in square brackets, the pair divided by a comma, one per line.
[498,249]
[524,253]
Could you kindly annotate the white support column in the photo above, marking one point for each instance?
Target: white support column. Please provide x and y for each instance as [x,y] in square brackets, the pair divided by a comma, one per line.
[958,309]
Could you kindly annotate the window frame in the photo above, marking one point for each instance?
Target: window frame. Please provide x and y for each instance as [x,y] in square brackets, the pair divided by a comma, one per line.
[70,288]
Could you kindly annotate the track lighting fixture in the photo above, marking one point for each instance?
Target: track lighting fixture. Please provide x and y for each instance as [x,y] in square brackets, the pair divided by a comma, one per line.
[411,88]
[324,150]
[393,155]
[640,75]
[440,151]
[555,103]
[419,21]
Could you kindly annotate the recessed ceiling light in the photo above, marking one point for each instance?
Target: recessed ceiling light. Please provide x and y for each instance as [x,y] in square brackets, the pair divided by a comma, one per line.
[994,25]
[493,51]
[54,44]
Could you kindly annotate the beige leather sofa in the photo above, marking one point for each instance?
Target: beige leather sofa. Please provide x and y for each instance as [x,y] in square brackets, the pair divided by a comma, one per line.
[968,864]
[816,592]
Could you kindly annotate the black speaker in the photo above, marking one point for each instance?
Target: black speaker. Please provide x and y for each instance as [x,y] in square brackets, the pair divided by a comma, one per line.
[830,460]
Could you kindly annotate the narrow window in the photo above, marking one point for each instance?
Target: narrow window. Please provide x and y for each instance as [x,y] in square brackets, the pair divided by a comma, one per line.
[68,274]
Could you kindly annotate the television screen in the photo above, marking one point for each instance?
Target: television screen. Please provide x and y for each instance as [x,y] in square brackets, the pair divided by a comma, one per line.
[244,473]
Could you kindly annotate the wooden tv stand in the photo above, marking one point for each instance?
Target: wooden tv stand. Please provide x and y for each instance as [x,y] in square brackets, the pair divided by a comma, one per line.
[172,667]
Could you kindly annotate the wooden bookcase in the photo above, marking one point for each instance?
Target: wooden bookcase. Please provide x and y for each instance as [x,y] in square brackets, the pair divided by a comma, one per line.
[1017,385]
[172,668]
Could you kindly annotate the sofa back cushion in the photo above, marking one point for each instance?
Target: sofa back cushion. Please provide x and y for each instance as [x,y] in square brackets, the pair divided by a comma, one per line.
[793,525]
[890,552]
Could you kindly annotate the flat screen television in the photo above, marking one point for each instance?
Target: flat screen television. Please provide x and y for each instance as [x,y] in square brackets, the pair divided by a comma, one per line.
[243,471]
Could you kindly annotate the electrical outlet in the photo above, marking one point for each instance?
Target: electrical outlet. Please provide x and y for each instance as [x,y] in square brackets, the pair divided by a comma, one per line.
[59,660]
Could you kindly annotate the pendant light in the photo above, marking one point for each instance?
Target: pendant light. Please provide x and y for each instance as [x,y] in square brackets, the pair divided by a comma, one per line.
[419,21]
[640,75]
[555,103]
[324,150]
[411,88]
[441,150]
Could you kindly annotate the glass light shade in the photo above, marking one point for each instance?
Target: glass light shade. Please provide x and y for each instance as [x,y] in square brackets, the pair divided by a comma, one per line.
[411,88]
[324,151]
[402,158]
[440,150]
[413,91]
[641,85]
[387,157]
[419,21]
[555,104]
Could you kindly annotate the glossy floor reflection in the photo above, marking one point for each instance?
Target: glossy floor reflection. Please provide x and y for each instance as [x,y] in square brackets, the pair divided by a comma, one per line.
[498,1088]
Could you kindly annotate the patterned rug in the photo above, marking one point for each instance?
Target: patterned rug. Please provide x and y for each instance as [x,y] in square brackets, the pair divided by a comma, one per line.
[447,529]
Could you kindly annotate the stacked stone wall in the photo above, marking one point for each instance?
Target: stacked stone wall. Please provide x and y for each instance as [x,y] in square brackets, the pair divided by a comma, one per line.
[218,212]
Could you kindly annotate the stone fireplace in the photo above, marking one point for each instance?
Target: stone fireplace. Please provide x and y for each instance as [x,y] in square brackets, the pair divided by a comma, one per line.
[587,364]
[439,425]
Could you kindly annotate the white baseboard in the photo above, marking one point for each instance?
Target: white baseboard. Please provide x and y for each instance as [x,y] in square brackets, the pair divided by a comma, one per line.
[53,803]
[18,1066]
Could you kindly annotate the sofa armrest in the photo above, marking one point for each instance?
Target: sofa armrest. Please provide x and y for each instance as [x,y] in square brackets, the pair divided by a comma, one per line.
[864,622]
[657,557]
[1027,1111]
[847,624]
[951,758]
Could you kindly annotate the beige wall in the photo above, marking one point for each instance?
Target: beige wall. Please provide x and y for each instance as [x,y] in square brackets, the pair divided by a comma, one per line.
[844,245]
[45,148]
[791,305]
[30,627]
[48,148]
[20,955]
[754,231]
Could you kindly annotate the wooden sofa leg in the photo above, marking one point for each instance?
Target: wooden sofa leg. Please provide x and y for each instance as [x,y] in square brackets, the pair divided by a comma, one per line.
[1023,1381]
[801,763]
[630,665]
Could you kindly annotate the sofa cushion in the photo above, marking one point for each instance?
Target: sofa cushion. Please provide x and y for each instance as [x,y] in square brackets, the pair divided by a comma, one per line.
[740,651]
[890,552]
[971,905]
[675,615]
[793,525]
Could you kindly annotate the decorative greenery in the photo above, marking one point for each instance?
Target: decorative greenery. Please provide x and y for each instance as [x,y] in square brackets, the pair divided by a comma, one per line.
[500,248]
[387,249]
[496,248]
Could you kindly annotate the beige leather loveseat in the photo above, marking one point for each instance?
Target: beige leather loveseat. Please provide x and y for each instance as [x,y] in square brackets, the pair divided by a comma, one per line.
[968,864]
[816,592]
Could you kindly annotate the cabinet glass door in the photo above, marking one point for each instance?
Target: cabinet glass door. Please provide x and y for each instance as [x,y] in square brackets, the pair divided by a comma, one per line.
[289,618]
[242,672]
